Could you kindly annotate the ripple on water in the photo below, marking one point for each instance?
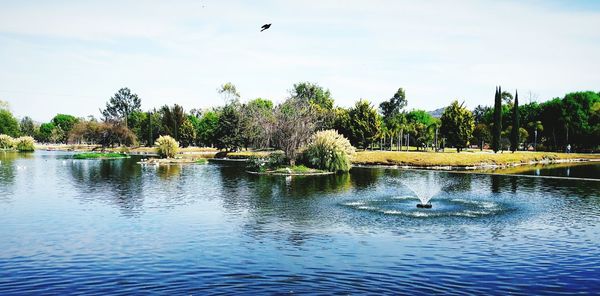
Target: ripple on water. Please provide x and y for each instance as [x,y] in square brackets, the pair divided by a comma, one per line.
[442,207]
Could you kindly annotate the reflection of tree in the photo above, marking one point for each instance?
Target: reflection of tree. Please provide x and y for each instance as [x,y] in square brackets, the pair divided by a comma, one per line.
[495,183]
[278,200]
[7,172]
[167,172]
[365,177]
[114,181]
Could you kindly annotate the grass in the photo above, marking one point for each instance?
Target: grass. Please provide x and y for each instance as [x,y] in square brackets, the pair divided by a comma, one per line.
[294,170]
[463,159]
[247,154]
[99,155]
[202,161]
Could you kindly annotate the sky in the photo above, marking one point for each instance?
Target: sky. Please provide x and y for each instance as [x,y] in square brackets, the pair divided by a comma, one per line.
[72,56]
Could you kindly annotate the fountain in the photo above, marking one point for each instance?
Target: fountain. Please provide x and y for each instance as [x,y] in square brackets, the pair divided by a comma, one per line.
[424,188]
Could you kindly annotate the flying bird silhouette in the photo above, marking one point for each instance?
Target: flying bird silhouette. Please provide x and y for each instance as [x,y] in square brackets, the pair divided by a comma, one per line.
[265,26]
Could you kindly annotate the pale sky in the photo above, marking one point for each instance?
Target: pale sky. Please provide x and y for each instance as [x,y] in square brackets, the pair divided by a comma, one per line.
[72,56]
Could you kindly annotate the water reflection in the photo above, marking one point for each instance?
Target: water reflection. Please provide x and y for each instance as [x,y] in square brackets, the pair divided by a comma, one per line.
[11,164]
[168,172]
[116,181]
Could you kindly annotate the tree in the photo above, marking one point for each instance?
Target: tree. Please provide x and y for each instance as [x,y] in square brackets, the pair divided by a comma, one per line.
[392,107]
[229,93]
[480,112]
[295,122]
[481,135]
[45,132]
[135,121]
[4,105]
[319,99]
[514,133]
[313,94]
[8,123]
[341,121]
[364,124]
[457,125]
[65,122]
[228,134]
[423,127]
[187,133]
[258,123]
[172,119]
[27,126]
[497,124]
[506,97]
[207,127]
[123,103]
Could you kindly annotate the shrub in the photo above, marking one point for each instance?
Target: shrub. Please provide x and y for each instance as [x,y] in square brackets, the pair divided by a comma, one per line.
[6,142]
[25,144]
[167,146]
[330,151]
[273,161]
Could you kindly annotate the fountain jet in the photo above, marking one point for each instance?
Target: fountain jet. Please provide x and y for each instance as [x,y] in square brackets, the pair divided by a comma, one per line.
[424,187]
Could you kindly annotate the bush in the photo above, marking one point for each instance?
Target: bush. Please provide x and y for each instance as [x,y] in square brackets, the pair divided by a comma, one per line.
[6,142]
[167,146]
[330,151]
[25,144]
[274,161]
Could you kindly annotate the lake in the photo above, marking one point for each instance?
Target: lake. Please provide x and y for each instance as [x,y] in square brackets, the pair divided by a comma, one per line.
[115,227]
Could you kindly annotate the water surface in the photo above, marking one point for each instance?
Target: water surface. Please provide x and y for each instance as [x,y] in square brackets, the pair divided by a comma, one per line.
[115,227]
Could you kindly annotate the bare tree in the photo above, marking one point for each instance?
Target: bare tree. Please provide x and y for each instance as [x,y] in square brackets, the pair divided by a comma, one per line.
[295,122]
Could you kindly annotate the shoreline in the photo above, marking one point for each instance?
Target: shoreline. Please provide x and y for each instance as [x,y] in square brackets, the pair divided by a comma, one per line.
[474,168]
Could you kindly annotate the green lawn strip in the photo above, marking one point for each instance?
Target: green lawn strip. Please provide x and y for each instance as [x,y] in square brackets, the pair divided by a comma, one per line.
[99,156]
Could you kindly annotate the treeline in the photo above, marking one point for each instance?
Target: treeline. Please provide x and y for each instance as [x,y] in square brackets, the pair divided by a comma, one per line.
[573,120]
[259,123]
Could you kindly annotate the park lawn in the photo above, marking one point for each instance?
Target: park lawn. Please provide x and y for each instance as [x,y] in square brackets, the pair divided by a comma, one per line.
[463,159]
[247,154]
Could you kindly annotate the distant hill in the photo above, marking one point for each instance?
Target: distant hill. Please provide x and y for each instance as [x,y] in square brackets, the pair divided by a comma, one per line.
[437,113]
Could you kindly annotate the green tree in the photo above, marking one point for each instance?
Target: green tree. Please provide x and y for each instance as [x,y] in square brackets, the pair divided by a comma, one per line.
[228,134]
[423,127]
[391,108]
[152,127]
[27,126]
[497,123]
[481,135]
[172,119]
[313,94]
[135,122]
[8,123]
[320,101]
[45,132]
[516,126]
[229,93]
[4,105]
[258,122]
[364,124]
[187,133]
[207,128]
[65,122]
[341,121]
[123,103]
[457,125]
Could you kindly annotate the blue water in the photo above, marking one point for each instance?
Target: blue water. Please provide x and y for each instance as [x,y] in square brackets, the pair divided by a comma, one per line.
[114,227]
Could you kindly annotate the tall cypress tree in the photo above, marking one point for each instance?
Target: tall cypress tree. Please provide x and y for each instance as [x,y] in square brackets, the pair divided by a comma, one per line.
[514,133]
[497,128]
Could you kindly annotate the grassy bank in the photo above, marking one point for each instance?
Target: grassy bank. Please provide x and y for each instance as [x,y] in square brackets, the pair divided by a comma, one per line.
[99,155]
[463,159]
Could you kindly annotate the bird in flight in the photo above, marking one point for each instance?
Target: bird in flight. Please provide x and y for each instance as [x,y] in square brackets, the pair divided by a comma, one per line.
[265,26]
